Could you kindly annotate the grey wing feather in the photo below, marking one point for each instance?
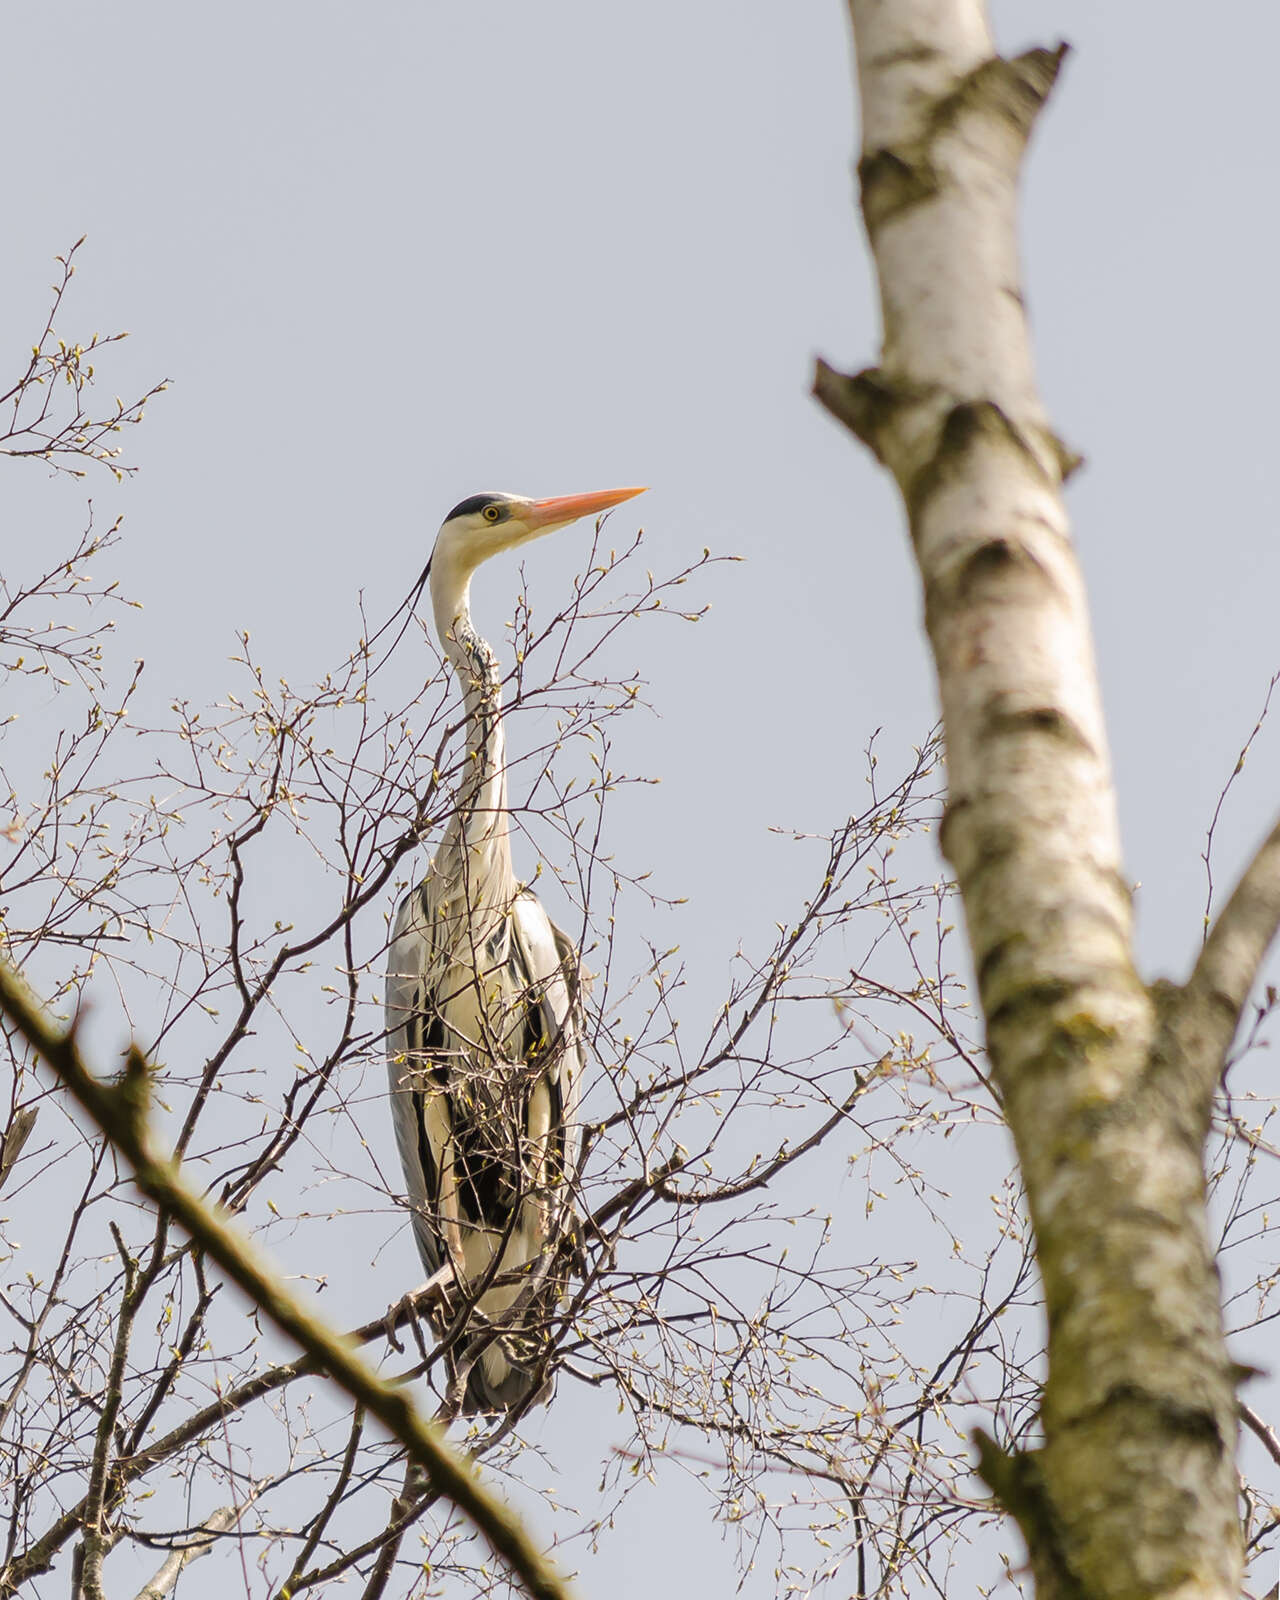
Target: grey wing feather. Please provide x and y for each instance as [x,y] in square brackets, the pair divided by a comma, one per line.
[440,1103]
[553,965]
[553,972]
[411,960]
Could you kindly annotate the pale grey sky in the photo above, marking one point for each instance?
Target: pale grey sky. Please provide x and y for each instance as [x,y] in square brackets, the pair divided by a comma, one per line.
[395,254]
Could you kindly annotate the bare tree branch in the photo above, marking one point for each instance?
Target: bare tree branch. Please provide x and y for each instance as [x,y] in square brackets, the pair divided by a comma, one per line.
[96,1541]
[1270,1439]
[1206,1012]
[119,1110]
[36,418]
[167,1575]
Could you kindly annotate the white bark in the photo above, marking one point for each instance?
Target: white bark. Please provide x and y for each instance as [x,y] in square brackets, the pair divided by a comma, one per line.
[178,1561]
[1133,1492]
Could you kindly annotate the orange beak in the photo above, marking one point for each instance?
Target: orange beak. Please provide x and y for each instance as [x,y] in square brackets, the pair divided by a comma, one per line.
[543,515]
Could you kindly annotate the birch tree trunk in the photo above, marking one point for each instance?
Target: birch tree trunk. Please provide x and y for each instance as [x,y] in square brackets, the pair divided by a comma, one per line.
[1106,1081]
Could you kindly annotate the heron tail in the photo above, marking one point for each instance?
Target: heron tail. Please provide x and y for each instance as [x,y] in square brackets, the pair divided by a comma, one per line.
[498,1383]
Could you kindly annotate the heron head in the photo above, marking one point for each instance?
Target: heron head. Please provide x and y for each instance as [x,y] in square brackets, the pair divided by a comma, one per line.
[487,524]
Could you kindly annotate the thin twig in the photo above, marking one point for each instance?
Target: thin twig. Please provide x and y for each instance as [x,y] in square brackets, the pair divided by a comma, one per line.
[1256,1426]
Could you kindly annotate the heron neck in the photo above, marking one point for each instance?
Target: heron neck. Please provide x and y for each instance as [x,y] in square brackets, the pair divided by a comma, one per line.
[476,664]
[480,821]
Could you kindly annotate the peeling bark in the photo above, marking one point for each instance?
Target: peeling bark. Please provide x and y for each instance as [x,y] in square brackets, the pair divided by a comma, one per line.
[1106,1083]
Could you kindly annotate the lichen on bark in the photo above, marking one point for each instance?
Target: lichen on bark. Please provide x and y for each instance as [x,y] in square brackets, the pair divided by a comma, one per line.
[1105,1083]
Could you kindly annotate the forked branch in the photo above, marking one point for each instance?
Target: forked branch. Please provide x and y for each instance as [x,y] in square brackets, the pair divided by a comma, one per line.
[1207,1011]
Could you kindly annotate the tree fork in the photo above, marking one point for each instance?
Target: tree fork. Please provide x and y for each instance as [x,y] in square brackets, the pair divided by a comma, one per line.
[1105,1083]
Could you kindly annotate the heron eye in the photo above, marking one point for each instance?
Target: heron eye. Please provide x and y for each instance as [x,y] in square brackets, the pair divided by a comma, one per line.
[492,514]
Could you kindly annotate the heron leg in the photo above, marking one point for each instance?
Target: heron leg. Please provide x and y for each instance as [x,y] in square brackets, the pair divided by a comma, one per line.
[407,1310]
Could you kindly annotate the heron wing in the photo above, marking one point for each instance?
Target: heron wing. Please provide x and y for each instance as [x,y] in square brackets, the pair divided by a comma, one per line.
[420,1121]
[430,1060]
[485,1073]
[555,976]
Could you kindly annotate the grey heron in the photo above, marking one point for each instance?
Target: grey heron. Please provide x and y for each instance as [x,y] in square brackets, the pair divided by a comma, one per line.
[483,1014]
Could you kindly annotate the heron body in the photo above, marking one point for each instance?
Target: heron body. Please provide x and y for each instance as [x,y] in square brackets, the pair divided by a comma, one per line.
[483,1014]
